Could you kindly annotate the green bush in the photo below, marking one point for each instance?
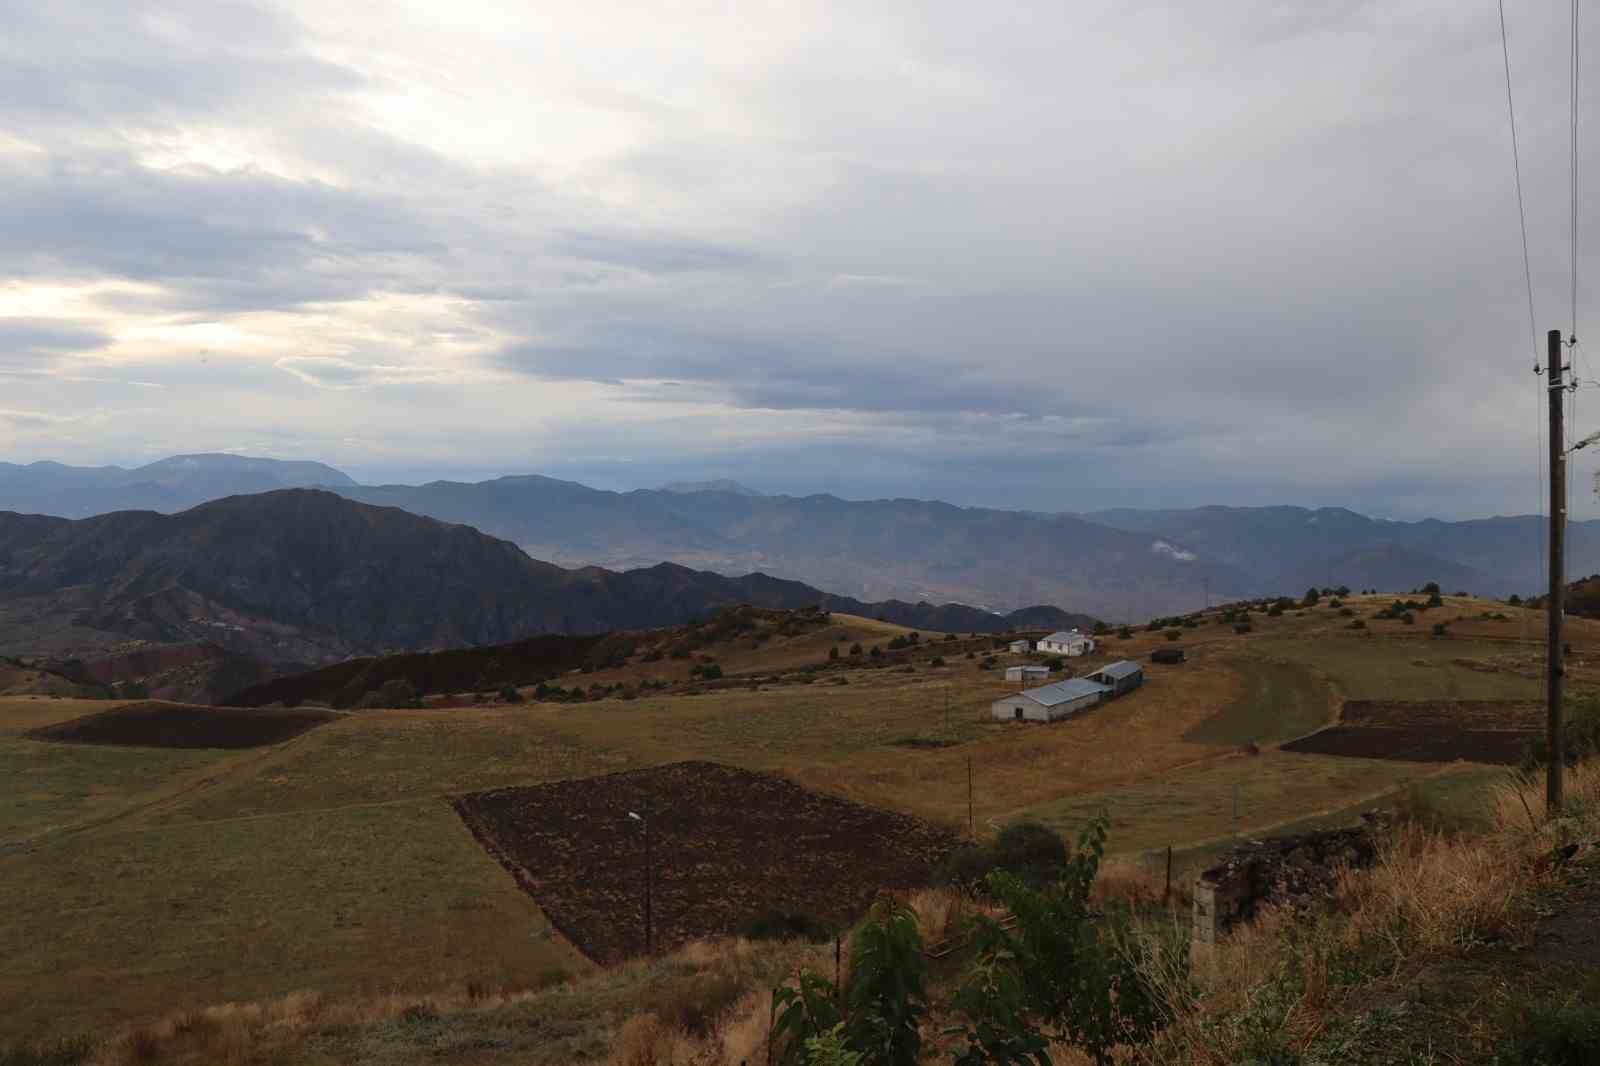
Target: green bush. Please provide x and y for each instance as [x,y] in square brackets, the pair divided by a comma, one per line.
[877,652]
[833,652]
[937,660]
[1033,852]
[1555,1034]
[855,649]
[1580,734]
[1125,633]
[509,694]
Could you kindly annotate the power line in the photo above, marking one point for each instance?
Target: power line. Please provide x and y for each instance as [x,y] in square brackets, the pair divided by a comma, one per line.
[1516,169]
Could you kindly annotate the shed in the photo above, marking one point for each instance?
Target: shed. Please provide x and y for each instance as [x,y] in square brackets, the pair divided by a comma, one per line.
[1067,642]
[1167,655]
[1050,703]
[1121,676]
[1027,673]
[1020,647]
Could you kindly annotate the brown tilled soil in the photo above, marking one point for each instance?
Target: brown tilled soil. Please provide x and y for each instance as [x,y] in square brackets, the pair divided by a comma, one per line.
[1484,731]
[727,845]
[176,725]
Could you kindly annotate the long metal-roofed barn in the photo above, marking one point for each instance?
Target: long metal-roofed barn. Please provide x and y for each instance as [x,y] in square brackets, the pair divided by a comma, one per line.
[1124,675]
[1051,703]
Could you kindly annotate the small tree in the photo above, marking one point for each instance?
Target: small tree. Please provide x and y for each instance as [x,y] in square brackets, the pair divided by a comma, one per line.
[833,652]
[1310,598]
[509,694]
[877,652]
[1515,600]
[1125,633]
[855,649]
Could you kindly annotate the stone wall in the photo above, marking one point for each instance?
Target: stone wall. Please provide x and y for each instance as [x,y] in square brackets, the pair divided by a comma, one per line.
[1297,870]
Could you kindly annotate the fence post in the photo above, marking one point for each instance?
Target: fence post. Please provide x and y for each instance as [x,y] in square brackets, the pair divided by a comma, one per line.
[1166,895]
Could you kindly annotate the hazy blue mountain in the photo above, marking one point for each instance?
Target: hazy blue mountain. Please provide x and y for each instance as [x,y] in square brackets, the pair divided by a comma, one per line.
[307,576]
[1284,546]
[720,485]
[167,485]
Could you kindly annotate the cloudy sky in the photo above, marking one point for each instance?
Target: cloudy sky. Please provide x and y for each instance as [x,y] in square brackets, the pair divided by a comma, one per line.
[1044,255]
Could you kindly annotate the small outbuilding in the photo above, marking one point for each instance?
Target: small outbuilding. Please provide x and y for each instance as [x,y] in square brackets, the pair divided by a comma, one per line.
[1067,642]
[1020,647]
[1027,673]
[1167,655]
[1050,703]
[1124,675]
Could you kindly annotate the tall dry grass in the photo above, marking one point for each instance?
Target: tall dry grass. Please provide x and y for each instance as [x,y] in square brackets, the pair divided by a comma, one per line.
[1272,983]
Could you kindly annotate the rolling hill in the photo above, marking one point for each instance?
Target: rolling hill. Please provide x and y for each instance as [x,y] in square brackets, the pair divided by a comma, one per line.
[307,577]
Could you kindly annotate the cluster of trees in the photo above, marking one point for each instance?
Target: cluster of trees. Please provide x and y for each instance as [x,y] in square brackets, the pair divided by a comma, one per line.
[1058,975]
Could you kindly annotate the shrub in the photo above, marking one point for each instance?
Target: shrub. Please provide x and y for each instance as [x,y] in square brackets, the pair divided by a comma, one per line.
[855,649]
[899,642]
[1407,619]
[1358,624]
[1274,611]
[937,660]
[1173,634]
[1124,633]
[1441,629]
[509,694]
[877,652]
[948,637]
[1515,600]
[1347,612]
[1100,628]
[777,925]
[1310,598]
[833,652]
[1054,664]
[987,663]
[1242,627]
[1028,850]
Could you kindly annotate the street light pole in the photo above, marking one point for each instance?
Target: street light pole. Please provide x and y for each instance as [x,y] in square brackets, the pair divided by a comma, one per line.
[649,871]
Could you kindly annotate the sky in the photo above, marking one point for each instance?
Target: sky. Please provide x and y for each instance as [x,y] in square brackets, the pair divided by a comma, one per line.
[1033,255]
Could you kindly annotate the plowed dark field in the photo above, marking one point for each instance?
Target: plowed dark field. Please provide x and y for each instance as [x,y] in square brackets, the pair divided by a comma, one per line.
[1483,731]
[727,845]
[176,725]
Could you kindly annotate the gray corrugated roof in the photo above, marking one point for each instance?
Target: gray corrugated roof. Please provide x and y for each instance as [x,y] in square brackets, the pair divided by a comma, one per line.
[1120,669]
[1062,636]
[1064,691]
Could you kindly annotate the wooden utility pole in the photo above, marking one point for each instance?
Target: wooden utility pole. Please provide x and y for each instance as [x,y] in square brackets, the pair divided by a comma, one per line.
[972,827]
[1555,668]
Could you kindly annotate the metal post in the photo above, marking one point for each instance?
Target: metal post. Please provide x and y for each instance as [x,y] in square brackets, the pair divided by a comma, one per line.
[1554,667]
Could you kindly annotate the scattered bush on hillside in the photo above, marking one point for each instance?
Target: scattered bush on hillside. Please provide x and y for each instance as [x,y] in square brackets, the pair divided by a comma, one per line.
[707,671]
[1358,624]
[1274,611]
[1407,619]
[651,656]
[833,652]
[1347,612]
[1125,633]
[1054,664]
[1242,627]
[855,649]
[937,660]
[1441,629]
[509,694]
[1311,598]
[972,655]
[394,693]
[988,663]
[1173,634]
[877,652]
[1100,628]
[1515,600]
[949,637]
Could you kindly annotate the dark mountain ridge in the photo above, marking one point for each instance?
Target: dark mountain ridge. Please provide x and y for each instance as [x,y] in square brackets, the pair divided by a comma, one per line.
[307,576]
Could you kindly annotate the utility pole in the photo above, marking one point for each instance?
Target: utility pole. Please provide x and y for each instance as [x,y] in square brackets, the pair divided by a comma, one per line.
[649,871]
[1555,668]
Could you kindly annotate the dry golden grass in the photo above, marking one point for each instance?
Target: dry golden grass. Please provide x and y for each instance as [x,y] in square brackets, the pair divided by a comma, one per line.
[1019,765]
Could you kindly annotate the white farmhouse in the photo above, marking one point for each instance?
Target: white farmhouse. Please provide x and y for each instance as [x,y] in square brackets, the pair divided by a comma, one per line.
[1019,647]
[1067,642]
[1050,703]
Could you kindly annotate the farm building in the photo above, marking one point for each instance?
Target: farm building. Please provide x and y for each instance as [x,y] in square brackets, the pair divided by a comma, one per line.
[1019,647]
[1167,655]
[1067,642]
[1120,676]
[1050,703]
[1027,673]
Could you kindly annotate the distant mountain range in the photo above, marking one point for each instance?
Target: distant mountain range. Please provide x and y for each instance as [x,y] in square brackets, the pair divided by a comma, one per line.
[1123,564]
[173,484]
[301,576]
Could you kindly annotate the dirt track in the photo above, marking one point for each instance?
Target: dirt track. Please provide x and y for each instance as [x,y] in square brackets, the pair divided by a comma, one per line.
[727,844]
[176,725]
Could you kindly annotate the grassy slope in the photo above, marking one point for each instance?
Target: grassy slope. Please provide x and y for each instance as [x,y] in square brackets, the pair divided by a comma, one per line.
[303,865]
